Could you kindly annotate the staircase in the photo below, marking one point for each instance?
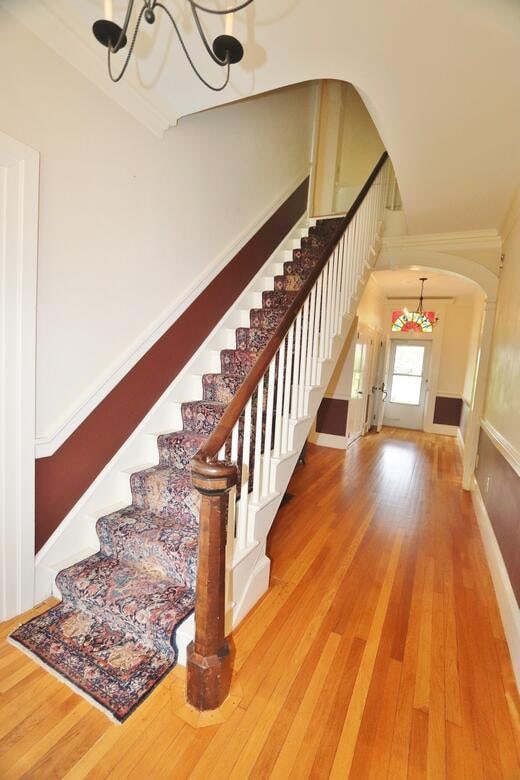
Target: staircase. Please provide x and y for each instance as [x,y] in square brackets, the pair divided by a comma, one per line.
[130,580]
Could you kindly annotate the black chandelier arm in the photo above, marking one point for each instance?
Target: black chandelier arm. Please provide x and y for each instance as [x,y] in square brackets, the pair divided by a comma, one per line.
[204,39]
[217,11]
[112,50]
[124,28]
[186,52]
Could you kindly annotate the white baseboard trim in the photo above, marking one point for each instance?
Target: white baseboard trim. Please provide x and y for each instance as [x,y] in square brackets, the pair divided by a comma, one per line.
[328,440]
[507,604]
[443,430]
[510,453]
[47,444]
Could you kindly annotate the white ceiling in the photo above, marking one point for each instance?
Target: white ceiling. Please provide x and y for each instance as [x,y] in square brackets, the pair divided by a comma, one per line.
[405,284]
[440,78]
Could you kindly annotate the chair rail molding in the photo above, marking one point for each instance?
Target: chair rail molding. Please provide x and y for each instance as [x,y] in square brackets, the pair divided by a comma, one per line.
[19,182]
[510,453]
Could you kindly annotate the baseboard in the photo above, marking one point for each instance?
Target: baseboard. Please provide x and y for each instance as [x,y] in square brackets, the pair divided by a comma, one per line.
[507,604]
[328,440]
[48,444]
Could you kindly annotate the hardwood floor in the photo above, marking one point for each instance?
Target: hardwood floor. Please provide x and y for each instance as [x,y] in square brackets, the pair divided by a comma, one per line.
[377,652]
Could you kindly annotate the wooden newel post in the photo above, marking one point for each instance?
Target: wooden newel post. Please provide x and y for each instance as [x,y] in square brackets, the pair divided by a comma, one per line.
[209,662]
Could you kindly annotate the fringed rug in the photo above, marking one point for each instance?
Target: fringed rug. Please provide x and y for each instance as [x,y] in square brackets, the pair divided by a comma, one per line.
[113,636]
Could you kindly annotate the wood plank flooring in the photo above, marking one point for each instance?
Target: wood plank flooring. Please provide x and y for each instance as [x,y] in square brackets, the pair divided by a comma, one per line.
[378,651]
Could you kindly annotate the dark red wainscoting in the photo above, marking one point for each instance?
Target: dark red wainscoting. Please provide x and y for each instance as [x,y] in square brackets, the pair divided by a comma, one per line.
[500,488]
[332,417]
[447,410]
[62,478]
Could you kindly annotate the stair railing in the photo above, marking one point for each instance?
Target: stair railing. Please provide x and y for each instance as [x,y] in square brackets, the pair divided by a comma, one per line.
[234,468]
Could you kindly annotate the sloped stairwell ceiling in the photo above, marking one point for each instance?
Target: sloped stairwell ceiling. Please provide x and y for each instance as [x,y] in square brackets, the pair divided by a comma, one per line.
[441,80]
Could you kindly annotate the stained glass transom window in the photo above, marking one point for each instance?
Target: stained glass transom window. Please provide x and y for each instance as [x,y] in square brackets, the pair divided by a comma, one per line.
[413,320]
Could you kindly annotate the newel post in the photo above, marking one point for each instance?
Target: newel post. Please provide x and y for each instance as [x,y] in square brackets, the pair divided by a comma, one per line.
[209,662]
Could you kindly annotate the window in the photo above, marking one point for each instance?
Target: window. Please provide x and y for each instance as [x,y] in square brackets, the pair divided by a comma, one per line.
[407,374]
[411,320]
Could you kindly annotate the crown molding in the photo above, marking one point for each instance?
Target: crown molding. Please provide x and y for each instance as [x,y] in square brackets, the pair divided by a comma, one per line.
[460,240]
[67,41]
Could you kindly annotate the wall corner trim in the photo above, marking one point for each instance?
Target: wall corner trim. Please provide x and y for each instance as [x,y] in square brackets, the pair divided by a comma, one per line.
[49,443]
[507,603]
[510,453]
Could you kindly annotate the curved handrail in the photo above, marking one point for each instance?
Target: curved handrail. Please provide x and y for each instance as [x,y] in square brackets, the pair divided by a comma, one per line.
[203,464]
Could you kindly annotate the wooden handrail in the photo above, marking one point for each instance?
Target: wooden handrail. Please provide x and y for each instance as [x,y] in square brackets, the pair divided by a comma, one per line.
[203,464]
[209,661]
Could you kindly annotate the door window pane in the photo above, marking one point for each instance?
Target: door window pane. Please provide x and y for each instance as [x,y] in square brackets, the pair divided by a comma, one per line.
[409,360]
[406,389]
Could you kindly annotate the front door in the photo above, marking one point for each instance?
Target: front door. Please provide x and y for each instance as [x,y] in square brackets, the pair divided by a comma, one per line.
[407,384]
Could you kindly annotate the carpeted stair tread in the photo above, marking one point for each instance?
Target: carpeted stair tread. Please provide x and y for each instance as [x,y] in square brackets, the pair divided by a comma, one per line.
[164,489]
[277,299]
[220,387]
[129,599]
[178,448]
[112,667]
[201,416]
[252,339]
[237,361]
[266,319]
[165,546]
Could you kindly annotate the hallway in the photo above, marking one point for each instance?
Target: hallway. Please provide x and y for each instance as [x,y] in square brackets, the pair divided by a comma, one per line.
[377,652]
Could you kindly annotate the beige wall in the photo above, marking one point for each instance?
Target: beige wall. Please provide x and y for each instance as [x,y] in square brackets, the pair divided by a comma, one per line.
[502,408]
[371,306]
[457,351]
[348,147]
[131,223]
[360,144]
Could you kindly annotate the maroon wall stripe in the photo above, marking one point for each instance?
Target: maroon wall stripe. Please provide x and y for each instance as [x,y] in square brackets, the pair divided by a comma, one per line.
[447,410]
[62,478]
[500,488]
[332,417]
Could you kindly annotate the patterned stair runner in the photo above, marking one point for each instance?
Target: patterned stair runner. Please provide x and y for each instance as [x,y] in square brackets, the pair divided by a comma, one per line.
[113,634]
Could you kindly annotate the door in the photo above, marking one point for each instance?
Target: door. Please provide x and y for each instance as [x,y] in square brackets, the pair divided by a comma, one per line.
[407,384]
[357,404]
[379,386]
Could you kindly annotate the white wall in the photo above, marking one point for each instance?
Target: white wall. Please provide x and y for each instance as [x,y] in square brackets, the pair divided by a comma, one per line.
[457,349]
[129,223]
[502,402]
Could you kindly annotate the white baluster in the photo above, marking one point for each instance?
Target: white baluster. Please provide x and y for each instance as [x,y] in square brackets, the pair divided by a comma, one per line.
[278,423]
[296,365]
[317,330]
[257,470]
[323,321]
[303,357]
[244,480]
[266,476]
[311,339]
[287,390]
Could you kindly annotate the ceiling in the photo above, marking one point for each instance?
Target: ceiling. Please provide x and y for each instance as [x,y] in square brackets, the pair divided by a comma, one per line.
[406,284]
[440,79]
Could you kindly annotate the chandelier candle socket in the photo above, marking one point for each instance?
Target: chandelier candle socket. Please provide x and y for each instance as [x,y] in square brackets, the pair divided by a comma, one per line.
[226,50]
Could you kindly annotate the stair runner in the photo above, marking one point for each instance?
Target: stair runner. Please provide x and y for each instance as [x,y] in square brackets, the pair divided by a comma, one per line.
[113,634]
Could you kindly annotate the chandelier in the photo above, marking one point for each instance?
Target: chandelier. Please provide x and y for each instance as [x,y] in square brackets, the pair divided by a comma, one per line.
[419,316]
[225,50]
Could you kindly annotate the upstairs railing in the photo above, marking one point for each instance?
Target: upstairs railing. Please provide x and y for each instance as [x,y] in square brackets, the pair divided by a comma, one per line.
[234,467]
